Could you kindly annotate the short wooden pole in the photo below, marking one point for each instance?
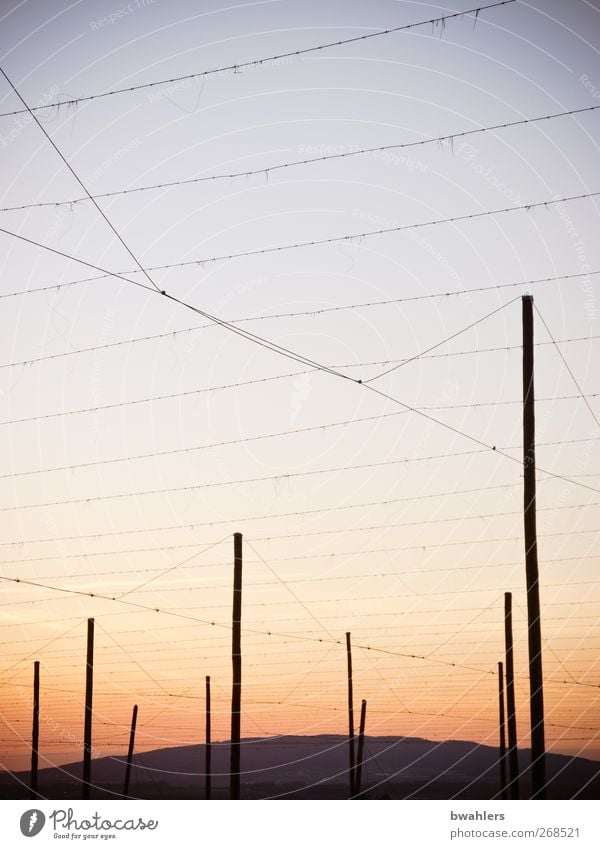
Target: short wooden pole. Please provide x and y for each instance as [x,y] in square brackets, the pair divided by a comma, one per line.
[236,658]
[87,729]
[130,751]
[513,754]
[502,754]
[361,747]
[35,731]
[207,744]
[350,715]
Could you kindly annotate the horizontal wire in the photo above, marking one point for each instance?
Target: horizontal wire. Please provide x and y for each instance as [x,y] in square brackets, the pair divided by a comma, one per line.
[418,547]
[348,238]
[353,237]
[239,66]
[318,311]
[228,627]
[449,138]
[336,508]
[272,378]
[210,485]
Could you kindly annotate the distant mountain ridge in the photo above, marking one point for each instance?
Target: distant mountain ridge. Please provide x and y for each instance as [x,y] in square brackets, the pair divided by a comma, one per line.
[314,767]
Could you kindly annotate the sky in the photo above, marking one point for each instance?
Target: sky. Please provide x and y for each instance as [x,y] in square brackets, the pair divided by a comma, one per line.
[128,467]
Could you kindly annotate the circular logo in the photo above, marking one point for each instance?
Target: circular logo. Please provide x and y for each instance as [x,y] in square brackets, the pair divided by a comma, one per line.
[32,822]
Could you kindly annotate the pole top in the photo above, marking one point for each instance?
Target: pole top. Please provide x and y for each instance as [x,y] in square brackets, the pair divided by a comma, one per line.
[528,298]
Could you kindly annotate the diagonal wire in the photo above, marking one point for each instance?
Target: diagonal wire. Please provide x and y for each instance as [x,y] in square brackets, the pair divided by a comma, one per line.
[568,368]
[172,568]
[76,176]
[443,342]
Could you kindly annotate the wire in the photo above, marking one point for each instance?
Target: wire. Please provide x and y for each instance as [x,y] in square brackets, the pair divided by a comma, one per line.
[312,313]
[568,368]
[229,627]
[474,438]
[351,237]
[170,452]
[290,590]
[443,342]
[76,176]
[251,337]
[194,525]
[317,311]
[211,484]
[239,66]
[254,381]
[133,660]
[450,138]
[298,358]
[172,568]
[38,650]
[315,242]
[419,547]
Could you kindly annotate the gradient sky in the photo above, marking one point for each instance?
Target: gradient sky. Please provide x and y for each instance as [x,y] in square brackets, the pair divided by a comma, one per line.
[411,557]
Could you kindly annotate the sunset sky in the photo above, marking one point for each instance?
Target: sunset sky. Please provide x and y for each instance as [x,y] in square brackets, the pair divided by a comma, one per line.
[128,467]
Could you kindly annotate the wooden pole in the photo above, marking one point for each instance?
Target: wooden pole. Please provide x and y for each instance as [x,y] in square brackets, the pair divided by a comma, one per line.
[236,658]
[502,729]
[513,754]
[87,729]
[130,752]
[361,747]
[350,715]
[35,731]
[207,744]
[534,630]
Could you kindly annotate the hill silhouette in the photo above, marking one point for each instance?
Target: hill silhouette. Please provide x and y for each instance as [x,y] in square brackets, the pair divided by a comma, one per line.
[313,767]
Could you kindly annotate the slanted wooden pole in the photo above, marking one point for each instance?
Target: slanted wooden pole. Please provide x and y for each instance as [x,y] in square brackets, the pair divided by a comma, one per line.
[207,744]
[87,728]
[350,715]
[502,729]
[361,747]
[513,754]
[130,751]
[35,730]
[534,629]
[236,658]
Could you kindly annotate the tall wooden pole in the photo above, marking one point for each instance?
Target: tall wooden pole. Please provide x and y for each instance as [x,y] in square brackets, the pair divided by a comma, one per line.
[513,754]
[236,658]
[87,728]
[350,715]
[502,729]
[361,747]
[207,744]
[35,730]
[534,630]
[130,751]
